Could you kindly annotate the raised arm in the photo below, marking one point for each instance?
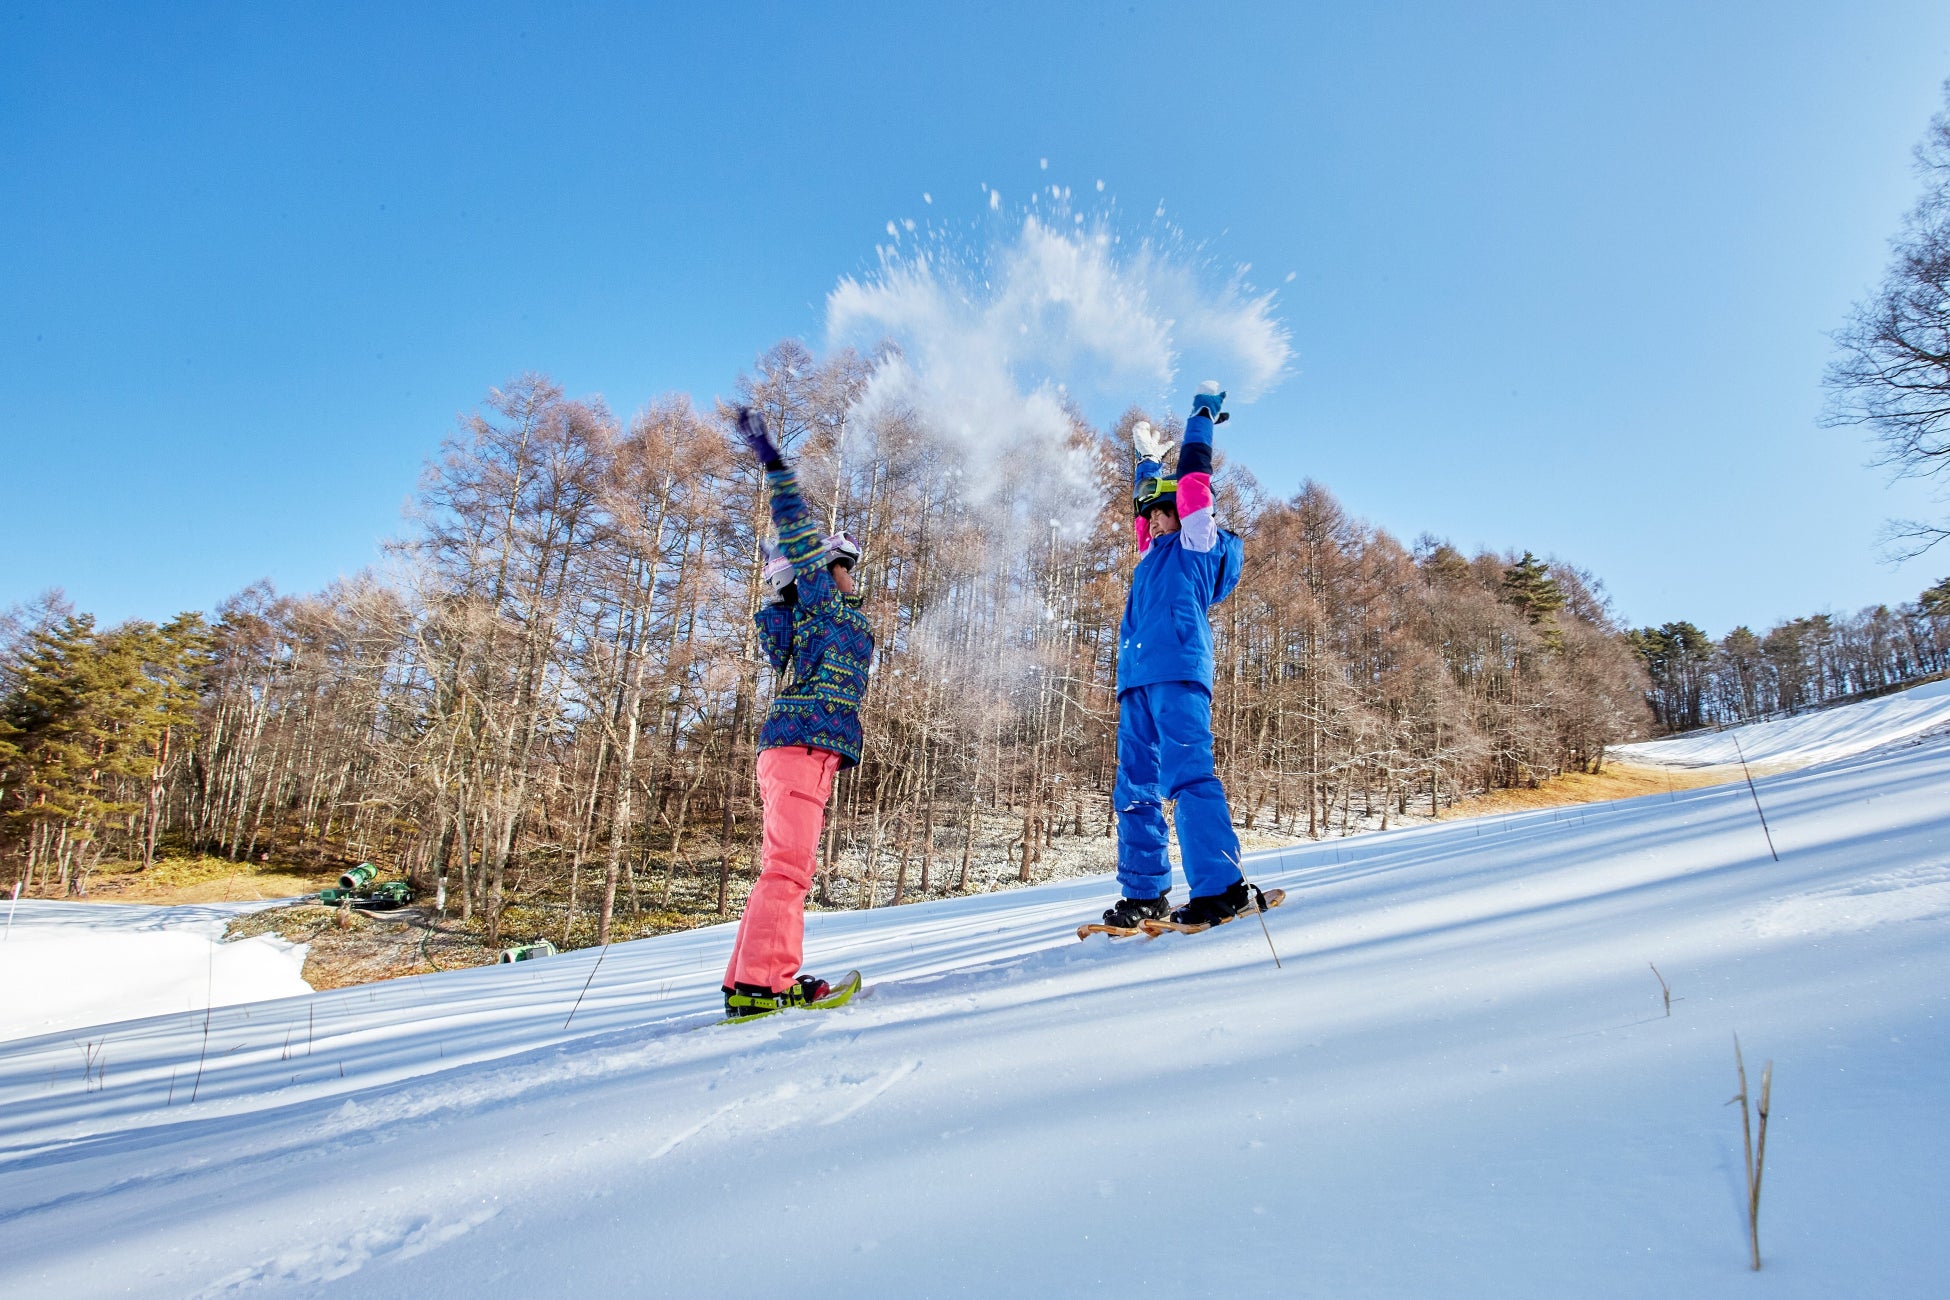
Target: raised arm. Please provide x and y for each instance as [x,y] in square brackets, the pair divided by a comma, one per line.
[798,531]
[1198,529]
[1151,451]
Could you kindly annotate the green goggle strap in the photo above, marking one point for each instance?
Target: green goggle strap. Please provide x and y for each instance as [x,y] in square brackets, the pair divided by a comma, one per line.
[1153,489]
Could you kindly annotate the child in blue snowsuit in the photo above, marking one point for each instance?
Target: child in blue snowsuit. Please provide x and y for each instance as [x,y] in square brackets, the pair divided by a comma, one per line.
[1186,564]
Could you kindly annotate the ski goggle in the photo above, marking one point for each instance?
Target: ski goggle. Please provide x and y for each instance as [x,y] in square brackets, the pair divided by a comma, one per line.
[841,548]
[1154,491]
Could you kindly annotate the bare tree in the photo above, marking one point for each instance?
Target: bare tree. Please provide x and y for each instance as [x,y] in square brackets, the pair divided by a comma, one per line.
[1893,375]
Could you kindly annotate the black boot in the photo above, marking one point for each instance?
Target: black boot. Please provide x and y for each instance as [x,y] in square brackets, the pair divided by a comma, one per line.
[1129,911]
[1210,909]
[757,1000]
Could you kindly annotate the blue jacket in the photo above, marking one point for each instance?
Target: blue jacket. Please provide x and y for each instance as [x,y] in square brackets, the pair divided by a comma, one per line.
[820,646]
[1165,636]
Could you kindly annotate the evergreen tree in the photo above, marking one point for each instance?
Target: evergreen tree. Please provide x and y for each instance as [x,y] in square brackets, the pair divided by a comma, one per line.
[1676,658]
[49,758]
[174,658]
[1527,584]
[77,721]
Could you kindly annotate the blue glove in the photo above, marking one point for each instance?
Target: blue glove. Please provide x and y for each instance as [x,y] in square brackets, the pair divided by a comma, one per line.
[751,427]
[1207,404]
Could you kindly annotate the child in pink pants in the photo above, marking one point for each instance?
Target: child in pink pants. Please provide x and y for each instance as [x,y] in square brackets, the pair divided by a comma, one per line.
[793,784]
[821,647]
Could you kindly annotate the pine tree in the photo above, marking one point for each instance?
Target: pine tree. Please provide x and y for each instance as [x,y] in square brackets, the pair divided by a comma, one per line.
[1527,584]
[1936,601]
[40,714]
[174,659]
[1676,657]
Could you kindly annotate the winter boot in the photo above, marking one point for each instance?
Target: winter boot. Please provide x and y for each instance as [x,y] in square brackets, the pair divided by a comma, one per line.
[757,1000]
[1210,909]
[1129,911]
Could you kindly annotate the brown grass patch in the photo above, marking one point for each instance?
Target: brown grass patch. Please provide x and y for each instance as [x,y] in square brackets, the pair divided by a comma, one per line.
[1617,781]
[203,880]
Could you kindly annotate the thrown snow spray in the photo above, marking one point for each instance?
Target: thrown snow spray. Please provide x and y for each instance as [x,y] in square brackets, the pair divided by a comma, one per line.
[1000,334]
[999,342]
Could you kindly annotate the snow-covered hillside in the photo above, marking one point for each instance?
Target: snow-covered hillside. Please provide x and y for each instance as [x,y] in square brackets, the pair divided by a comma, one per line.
[1814,737]
[1460,1083]
[67,966]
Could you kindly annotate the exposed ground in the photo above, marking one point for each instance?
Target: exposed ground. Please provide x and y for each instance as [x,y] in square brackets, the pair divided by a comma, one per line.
[349,947]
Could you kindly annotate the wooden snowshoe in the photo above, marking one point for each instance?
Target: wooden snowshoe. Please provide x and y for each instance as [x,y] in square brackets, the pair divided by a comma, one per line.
[1273,897]
[1114,931]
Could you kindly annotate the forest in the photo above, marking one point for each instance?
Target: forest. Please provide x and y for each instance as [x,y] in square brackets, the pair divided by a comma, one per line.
[543,704]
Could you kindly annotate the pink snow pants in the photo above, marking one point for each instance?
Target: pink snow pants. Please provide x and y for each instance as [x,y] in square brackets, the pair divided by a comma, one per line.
[793,783]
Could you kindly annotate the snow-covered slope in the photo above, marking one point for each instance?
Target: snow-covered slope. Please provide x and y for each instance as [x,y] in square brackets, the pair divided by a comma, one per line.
[66,966]
[1815,737]
[1461,1083]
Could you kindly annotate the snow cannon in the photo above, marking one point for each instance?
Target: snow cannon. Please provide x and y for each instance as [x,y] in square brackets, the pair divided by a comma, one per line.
[528,951]
[359,877]
[333,897]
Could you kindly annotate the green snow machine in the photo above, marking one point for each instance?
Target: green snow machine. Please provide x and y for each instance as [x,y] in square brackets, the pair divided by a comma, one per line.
[528,951]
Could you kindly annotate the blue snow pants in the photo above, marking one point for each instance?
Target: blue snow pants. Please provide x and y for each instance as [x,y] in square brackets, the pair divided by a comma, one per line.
[1164,751]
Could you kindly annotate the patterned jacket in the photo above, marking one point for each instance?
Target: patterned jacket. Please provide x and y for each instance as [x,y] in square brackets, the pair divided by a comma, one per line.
[1166,636]
[820,646]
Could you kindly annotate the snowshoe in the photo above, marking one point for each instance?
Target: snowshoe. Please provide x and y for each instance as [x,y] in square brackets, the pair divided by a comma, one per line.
[750,1001]
[1208,910]
[1127,915]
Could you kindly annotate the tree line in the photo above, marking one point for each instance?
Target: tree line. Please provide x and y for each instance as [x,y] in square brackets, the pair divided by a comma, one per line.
[1800,663]
[544,704]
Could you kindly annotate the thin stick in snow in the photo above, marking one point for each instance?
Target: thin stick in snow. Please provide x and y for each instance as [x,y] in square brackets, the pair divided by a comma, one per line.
[1753,1155]
[1664,988]
[14,906]
[586,983]
[1757,808]
[209,991]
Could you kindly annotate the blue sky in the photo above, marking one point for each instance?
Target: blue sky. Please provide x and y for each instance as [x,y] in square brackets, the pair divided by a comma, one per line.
[1562,274]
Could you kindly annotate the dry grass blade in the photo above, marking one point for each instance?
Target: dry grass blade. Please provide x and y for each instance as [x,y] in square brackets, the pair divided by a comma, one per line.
[1753,1155]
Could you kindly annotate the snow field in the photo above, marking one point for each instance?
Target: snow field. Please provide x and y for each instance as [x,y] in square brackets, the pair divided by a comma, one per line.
[1461,1083]
[68,966]
[1813,737]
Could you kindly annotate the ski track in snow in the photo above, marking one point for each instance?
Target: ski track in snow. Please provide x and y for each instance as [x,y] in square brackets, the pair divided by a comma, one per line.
[398,1239]
[1461,1083]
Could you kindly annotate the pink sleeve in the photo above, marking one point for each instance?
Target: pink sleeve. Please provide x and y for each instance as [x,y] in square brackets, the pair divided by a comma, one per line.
[1194,494]
[1141,528]
[1197,528]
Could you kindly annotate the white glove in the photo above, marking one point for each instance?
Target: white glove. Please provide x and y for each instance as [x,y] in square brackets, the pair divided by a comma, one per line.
[1149,445]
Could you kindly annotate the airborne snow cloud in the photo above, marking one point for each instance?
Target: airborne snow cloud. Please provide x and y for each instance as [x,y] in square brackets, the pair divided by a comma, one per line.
[997,338]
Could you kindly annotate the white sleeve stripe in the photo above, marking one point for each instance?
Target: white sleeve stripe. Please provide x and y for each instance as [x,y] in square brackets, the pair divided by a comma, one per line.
[1201,530]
